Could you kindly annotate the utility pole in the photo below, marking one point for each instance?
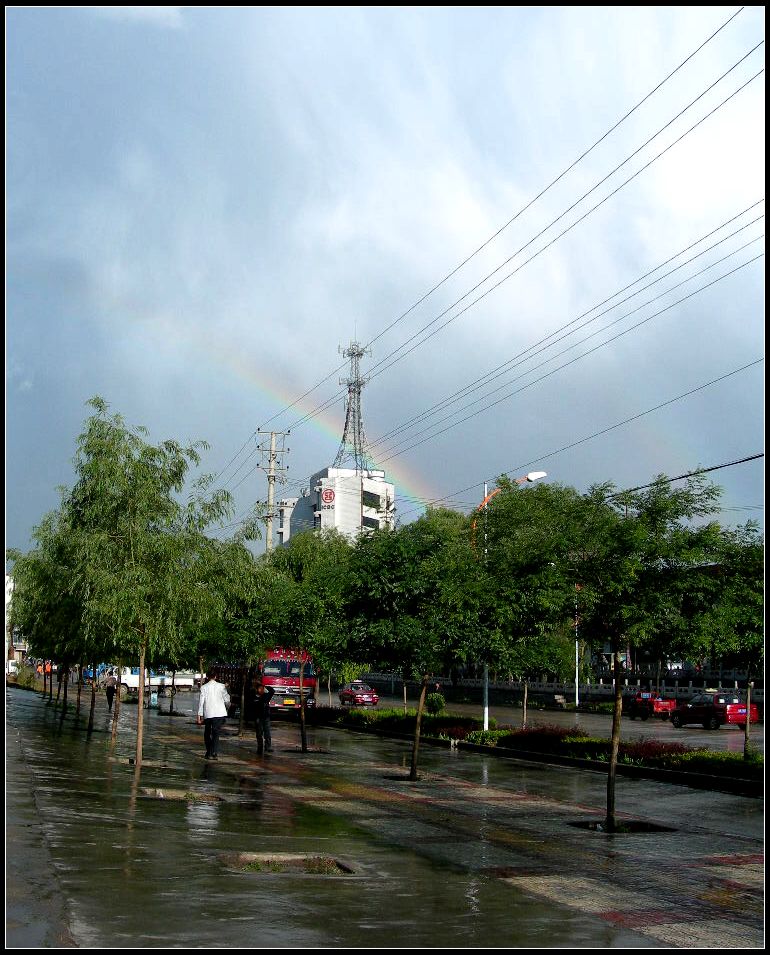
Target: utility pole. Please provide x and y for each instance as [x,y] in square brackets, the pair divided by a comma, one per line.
[275,470]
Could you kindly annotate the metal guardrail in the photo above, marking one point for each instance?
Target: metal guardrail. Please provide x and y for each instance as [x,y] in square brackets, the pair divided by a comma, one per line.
[679,689]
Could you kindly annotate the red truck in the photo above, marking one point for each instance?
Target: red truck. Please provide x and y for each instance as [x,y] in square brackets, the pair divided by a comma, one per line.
[648,703]
[279,669]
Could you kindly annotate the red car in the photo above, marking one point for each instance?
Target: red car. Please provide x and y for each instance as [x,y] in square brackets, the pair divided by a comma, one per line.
[358,694]
[712,709]
[646,704]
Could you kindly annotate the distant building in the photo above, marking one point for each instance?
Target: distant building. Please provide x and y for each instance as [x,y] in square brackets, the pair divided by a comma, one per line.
[346,499]
[16,648]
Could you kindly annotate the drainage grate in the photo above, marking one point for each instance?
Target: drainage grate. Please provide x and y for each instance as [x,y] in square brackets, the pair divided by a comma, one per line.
[305,863]
[181,795]
[627,827]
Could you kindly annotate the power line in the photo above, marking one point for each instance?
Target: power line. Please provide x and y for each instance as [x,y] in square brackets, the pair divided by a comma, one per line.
[380,366]
[532,350]
[596,434]
[374,372]
[531,202]
[571,361]
[681,477]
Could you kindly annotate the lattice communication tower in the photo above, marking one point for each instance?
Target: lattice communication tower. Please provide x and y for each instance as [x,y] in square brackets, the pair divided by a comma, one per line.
[353,447]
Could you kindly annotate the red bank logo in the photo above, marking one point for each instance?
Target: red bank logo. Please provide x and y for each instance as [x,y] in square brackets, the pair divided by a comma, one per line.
[327,495]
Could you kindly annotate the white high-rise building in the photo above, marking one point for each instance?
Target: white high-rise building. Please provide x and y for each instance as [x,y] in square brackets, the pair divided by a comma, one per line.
[349,500]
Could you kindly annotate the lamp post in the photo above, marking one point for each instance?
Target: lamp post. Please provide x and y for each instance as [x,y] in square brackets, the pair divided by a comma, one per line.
[577,652]
[526,478]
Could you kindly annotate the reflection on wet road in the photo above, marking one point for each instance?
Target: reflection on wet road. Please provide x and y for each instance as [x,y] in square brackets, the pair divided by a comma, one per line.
[478,853]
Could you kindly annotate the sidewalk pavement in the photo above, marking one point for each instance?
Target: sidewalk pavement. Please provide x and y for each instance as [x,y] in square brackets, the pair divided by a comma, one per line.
[479,852]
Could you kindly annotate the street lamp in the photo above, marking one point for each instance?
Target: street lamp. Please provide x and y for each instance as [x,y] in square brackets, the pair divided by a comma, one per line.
[526,478]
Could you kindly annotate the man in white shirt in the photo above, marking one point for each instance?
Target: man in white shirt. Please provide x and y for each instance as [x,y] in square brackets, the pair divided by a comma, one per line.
[212,710]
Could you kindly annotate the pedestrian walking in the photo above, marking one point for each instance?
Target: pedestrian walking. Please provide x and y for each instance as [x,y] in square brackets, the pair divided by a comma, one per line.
[110,686]
[263,695]
[212,711]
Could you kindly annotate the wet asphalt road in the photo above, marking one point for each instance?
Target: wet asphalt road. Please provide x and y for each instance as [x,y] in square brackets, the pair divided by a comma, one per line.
[479,853]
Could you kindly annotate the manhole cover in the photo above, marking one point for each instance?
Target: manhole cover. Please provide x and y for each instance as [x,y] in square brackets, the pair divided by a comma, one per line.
[303,863]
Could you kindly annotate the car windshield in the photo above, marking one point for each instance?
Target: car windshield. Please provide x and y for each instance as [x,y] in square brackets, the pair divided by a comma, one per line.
[294,668]
[276,668]
[361,688]
[287,668]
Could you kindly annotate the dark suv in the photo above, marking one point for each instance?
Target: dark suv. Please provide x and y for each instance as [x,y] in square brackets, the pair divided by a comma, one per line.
[713,708]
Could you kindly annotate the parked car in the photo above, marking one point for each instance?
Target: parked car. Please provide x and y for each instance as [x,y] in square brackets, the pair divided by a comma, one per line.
[358,694]
[646,704]
[714,708]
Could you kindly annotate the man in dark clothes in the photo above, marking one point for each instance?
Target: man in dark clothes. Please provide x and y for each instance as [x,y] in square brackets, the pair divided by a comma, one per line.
[262,716]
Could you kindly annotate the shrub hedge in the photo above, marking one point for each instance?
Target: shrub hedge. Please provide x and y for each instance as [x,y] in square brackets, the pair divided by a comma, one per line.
[550,740]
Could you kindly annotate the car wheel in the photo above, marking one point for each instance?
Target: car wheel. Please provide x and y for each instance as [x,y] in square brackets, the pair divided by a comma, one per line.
[664,716]
[712,723]
[742,726]
[676,721]
[644,716]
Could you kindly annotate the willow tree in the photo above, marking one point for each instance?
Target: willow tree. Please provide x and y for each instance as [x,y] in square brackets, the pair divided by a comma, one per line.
[143,558]
[47,607]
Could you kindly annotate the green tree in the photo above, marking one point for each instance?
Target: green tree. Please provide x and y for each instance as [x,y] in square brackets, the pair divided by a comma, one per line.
[144,562]
[632,563]
[530,535]
[413,600]
[312,572]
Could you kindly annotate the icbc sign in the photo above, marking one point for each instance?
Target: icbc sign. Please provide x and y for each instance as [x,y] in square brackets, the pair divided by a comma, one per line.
[327,495]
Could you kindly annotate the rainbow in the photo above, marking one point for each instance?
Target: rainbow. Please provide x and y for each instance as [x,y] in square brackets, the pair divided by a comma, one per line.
[409,485]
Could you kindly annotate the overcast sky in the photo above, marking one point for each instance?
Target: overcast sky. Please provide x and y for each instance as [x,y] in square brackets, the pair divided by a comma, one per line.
[203,204]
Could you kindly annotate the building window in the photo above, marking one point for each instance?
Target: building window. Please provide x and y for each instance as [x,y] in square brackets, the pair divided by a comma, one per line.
[370,522]
[371,500]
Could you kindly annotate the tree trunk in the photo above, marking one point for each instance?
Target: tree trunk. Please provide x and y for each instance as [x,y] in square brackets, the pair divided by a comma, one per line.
[58,682]
[524,704]
[329,687]
[64,702]
[404,694]
[612,771]
[302,724]
[242,715]
[50,685]
[93,698]
[747,728]
[140,714]
[80,685]
[416,745]
[117,703]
